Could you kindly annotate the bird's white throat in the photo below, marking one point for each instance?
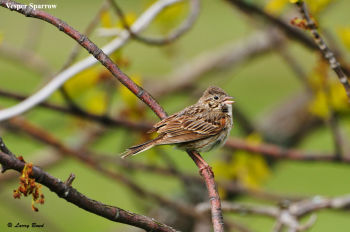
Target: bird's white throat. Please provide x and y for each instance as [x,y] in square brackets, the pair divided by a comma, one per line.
[229,109]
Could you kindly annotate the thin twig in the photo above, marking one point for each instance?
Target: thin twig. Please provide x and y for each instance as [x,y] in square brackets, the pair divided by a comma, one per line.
[44,160]
[49,139]
[249,8]
[278,152]
[73,196]
[293,33]
[102,119]
[327,53]
[289,214]
[226,57]
[235,207]
[332,121]
[295,67]
[214,198]
[32,39]
[171,37]
[27,58]
[5,150]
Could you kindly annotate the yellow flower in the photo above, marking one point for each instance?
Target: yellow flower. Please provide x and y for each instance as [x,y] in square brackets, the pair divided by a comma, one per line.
[249,169]
[319,105]
[129,18]
[83,81]
[128,97]
[105,19]
[344,34]
[276,6]
[97,102]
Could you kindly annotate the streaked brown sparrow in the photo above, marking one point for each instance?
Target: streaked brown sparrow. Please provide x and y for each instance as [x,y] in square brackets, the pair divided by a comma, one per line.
[199,127]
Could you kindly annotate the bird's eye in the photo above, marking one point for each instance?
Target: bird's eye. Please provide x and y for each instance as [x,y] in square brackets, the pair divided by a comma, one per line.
[216,97]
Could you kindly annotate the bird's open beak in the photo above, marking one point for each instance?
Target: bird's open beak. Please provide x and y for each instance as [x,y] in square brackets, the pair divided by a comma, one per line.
[228,100]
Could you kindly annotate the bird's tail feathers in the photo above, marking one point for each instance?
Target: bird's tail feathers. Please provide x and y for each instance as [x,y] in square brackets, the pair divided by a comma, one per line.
[139,148]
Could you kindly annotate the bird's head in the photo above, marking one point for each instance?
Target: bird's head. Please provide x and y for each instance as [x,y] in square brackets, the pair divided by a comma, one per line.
[216,98]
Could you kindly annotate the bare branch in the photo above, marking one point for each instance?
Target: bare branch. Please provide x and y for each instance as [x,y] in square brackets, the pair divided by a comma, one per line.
[43,161]
[278,152]
[227,56]
[4,149]
[171,37]
[73,196]
[214,198]
[27,58]
[316,203]
[89,160]
[236,207]
[250,9]
[327,53]
[102,119]
[286,215]
[292,32]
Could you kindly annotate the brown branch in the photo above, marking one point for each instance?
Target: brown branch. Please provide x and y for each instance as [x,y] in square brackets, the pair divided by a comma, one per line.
[75,197]
[290,121]
[32,40]
[278,152]
[316,203]
[214,198]
[49,139]
[283,216]
[226,57]
[228,186]
[235,226]
[4,149]
[236,207]
[287,214]
[295,67]
[43,161]
[102,119]
[292,32]
[333,123]
[27,58]
[171,37]
[326,52]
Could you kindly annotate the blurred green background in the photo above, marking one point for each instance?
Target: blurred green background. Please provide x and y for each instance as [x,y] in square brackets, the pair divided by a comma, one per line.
[258,87]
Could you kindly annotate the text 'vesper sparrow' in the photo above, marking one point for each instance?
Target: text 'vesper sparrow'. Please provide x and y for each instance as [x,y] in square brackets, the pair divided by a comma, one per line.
[199,127]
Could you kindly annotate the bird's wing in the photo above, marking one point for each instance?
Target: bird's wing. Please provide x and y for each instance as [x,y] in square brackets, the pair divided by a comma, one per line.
[181,128]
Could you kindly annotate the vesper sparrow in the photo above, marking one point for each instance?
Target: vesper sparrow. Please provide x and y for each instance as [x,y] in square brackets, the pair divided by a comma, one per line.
[199,127]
